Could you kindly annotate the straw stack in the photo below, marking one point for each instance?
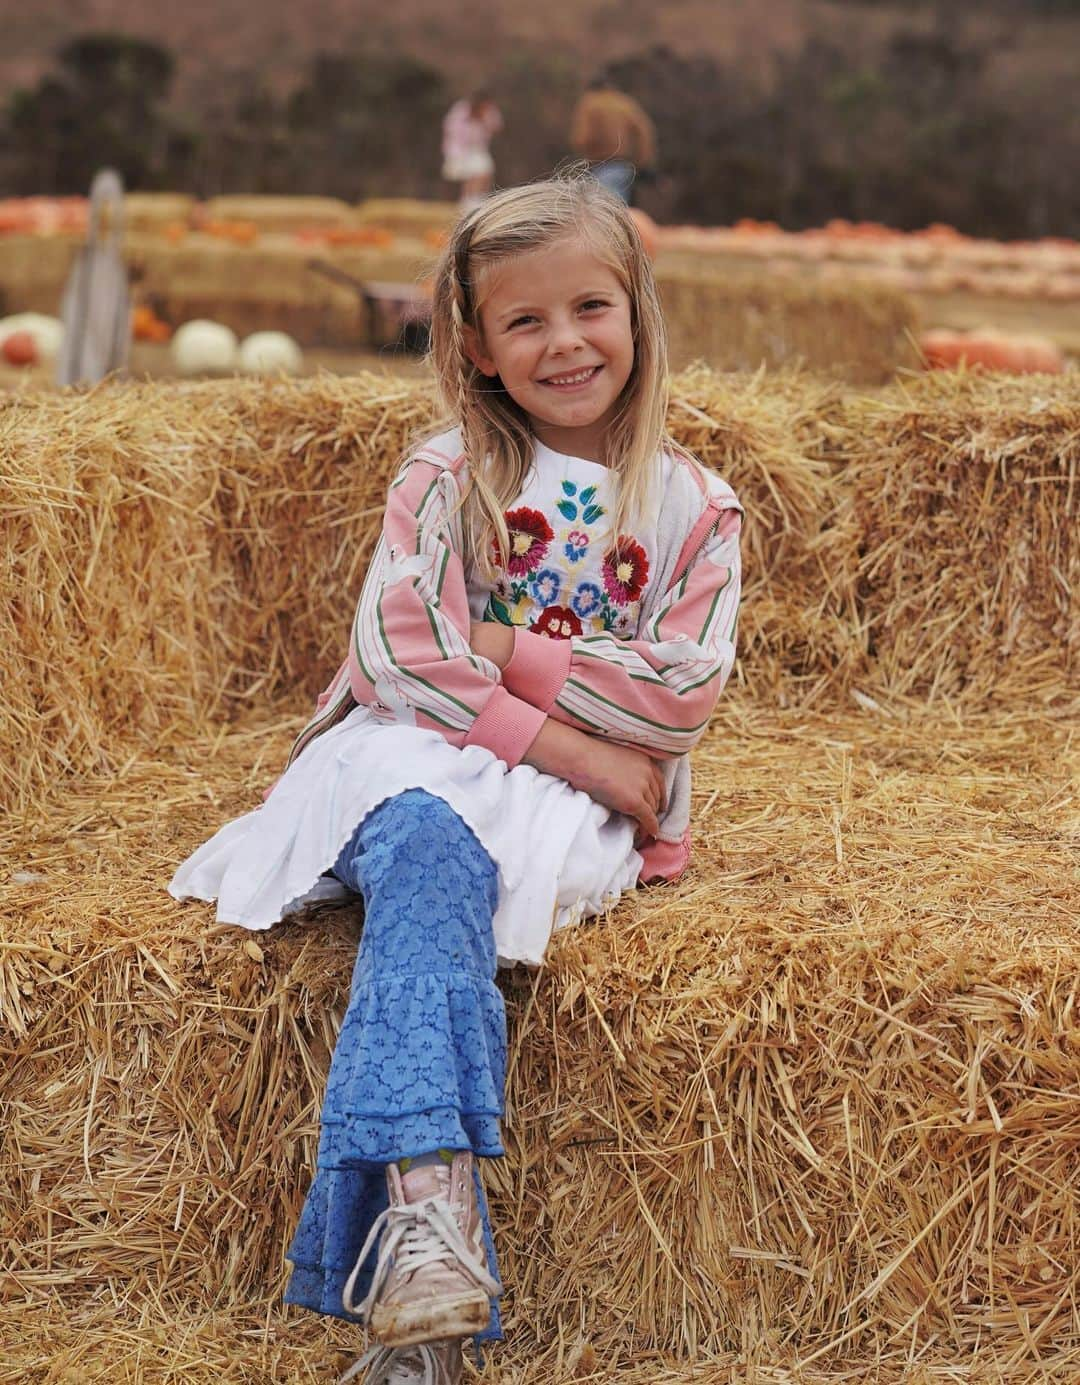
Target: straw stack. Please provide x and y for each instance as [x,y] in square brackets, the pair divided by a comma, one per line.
[967,500]
[819,1098]
[268,285]
[34,270]
[181,551]
[857,332]
[766,435]
[279,213]
[408,216]
[851,332]
[810,1114]
[152,211]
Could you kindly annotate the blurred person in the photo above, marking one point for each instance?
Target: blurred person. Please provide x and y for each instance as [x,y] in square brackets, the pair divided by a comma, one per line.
[468,129]
[612,132]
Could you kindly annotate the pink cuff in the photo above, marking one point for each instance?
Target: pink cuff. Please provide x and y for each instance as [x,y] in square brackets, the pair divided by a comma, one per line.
[507,726]
[538,668]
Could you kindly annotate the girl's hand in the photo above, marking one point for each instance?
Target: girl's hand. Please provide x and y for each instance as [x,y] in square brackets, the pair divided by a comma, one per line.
[492,640]
[619,777]
[627,780]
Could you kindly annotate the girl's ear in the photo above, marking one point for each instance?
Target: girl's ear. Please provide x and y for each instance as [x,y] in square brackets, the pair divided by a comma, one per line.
[474,349]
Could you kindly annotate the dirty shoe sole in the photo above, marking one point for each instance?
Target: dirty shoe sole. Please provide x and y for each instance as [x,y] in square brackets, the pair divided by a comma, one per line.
[405,1324]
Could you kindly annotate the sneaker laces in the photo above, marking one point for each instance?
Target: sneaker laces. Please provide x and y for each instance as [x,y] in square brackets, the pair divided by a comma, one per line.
[385,1363]
[414,1234]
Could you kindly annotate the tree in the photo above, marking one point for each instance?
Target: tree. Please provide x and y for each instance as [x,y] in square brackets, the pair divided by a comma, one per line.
[363,121]
[103,106]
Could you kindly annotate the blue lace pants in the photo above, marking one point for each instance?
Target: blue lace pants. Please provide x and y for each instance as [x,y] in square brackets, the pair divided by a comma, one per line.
[421,1058]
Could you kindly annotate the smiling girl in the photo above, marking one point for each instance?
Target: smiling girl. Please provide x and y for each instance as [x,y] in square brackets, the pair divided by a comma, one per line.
[545,627]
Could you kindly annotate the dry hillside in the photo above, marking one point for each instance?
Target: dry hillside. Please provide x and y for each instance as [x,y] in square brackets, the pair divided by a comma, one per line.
[276,37]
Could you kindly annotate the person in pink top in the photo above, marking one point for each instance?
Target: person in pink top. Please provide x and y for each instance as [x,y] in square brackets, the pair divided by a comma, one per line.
[468,129]
[545,626]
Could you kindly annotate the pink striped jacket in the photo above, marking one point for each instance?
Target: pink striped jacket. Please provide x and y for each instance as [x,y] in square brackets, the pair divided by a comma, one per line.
[410,660]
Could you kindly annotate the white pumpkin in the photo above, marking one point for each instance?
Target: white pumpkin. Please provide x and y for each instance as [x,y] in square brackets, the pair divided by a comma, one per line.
[201,347]
[48,332]
[270,353]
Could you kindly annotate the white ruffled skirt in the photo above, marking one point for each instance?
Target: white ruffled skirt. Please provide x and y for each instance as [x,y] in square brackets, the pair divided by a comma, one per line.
[560,855]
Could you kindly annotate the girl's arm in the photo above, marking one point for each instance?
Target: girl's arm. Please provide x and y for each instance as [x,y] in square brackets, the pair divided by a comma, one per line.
[618,776]
[409,649]
[657,691]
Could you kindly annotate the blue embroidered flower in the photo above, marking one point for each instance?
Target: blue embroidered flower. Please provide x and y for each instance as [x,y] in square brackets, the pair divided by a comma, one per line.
[545,587]
[586,600]
[576,544]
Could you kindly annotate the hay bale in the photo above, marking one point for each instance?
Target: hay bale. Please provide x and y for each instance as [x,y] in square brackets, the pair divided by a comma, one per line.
[269,285]
[408,216]
[813,1105]
[965,490]
[146,588]
[148,526]
[820,1096]
[34,270]
[153,211]
[852,331]
[765,434]
[271,213]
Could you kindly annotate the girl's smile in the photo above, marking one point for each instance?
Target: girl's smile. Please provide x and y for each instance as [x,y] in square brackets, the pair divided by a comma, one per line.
[556,330]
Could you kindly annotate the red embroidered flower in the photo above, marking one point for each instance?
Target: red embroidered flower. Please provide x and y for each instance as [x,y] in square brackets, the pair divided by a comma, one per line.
[626,570]
[530,534]
[557,623]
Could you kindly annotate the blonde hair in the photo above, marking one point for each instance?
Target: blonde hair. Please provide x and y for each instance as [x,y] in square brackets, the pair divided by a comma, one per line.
[497,438]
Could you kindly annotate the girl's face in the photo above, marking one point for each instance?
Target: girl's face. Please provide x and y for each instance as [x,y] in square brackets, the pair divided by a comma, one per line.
[555,328]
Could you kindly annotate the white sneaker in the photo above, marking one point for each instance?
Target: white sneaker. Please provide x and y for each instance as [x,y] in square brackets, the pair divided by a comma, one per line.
[428,1363]
[431,1281]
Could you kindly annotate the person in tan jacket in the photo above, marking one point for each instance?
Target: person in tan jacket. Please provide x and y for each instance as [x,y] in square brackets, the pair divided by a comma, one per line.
[613,133]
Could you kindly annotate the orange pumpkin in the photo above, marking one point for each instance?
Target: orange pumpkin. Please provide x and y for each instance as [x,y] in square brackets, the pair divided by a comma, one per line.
[20,348]
[941,348]
[147,326]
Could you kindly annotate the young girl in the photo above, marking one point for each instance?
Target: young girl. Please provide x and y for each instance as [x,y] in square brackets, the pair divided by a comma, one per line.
[545,627]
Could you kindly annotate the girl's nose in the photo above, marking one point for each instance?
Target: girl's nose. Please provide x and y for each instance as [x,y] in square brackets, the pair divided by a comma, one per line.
[565,336]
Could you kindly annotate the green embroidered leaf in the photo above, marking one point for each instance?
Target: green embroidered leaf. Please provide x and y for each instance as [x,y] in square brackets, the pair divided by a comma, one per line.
[499,611]
[569,488]
[567,510]
[592,513]
[587,494]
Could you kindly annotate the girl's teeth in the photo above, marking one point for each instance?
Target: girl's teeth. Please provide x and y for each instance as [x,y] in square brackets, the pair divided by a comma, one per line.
[578,379]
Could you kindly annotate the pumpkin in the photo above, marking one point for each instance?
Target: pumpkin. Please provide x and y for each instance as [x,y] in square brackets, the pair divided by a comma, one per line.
[147,326]
[941,348]
[20,349]
[47,332]
[201,347]
[270,353]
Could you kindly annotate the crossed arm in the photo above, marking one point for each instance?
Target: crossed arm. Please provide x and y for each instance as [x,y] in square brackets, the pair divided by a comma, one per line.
[603,715]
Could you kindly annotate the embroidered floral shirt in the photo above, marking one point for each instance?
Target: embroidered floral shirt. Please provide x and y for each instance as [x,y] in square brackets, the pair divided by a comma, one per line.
[567,572]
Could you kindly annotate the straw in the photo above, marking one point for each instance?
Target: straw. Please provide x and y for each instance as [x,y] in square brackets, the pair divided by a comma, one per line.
[810,1114]
[819,1097]
[180,552]
[850,330]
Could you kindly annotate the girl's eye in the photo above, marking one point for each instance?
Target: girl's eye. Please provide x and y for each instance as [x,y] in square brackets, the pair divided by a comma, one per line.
[519,321]
[594,303]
